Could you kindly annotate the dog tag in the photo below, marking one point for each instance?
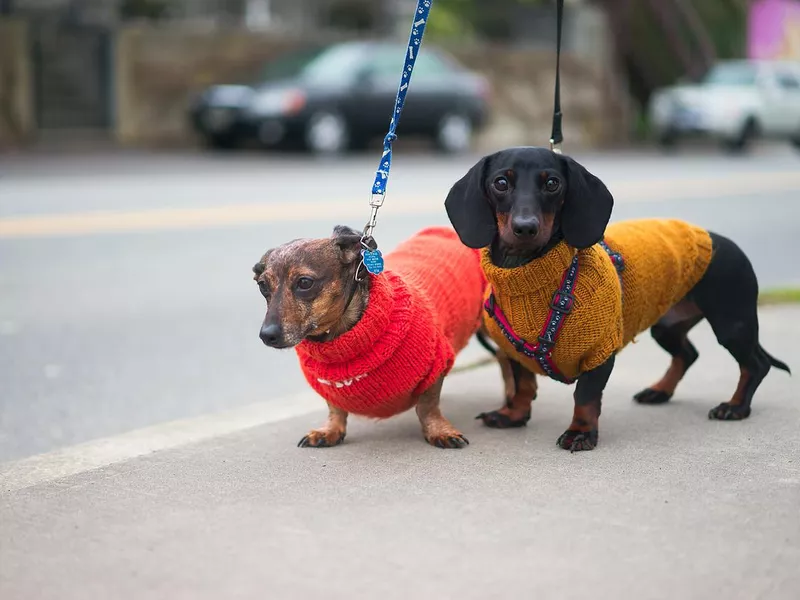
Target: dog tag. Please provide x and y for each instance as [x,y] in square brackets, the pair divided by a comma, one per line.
[373,261]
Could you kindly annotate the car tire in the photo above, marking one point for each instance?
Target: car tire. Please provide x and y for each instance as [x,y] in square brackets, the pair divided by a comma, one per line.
[221,141]
[742,142]
[454,134]
[327,134]
[667,140]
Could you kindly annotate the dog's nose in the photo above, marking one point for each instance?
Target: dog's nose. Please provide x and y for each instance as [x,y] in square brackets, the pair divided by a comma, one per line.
[271,334]
[527,226]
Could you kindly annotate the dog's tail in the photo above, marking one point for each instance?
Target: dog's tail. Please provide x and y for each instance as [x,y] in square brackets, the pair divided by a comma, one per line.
[775,362]
[484,341]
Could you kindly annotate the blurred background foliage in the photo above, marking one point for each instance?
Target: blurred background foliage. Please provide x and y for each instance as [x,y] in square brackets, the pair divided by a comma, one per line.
[465,19]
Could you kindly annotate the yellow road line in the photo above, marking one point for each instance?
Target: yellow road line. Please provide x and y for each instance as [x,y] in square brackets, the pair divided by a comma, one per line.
[84,223]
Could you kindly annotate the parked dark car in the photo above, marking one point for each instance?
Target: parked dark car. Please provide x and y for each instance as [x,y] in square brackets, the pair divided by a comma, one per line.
[341,97]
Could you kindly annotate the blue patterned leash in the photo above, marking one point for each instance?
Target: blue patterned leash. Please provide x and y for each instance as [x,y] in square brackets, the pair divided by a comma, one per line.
[371,257]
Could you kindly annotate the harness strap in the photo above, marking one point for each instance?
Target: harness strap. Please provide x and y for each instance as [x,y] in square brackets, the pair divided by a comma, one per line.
[560,306]
[616,260]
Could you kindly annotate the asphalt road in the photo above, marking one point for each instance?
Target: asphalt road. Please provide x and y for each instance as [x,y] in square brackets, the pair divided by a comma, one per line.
[669,506]
[126,296]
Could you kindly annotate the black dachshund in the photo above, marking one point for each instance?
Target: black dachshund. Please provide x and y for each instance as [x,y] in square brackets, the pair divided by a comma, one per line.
[542,220]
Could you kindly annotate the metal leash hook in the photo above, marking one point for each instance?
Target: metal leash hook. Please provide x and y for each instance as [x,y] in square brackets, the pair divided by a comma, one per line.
[556,137]
[371,258]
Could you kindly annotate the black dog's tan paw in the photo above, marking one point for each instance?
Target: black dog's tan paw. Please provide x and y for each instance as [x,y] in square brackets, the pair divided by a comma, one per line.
[321,438]
[576,441]
[499,419]
[448,439]
[729,412]
[651,396]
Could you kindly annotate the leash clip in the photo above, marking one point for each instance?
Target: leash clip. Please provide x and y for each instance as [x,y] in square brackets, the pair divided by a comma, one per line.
[554,146]
[376,201]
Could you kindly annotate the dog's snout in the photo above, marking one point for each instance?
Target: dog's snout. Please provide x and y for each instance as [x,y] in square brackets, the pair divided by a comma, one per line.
[525,226]
[271,334]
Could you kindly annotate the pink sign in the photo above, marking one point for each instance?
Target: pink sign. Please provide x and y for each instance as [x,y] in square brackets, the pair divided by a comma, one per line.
[774,30]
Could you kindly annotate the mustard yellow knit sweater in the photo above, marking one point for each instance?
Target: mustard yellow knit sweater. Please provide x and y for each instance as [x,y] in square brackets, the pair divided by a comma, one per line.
[663,260]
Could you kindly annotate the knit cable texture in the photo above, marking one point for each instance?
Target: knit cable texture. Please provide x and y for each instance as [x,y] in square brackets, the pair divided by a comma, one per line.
[422,310]
[663,258]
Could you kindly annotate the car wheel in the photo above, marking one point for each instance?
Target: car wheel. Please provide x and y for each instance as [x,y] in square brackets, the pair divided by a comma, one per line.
[454,134]
[742,142]
[667,140]
[221,141]
[327,133]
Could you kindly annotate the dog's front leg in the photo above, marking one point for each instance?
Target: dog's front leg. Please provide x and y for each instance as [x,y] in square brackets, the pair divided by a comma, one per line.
[438,431]
[521,388]
[330,434]
[583,431]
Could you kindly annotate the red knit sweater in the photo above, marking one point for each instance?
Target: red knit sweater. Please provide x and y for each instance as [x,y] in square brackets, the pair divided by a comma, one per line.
[422,311]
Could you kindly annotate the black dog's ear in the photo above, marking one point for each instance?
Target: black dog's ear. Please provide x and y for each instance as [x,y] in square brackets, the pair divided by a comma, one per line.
[587,206]
[469,209]
[349,242]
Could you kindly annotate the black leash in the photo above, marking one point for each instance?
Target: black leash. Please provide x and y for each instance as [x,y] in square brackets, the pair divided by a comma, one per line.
[556,137]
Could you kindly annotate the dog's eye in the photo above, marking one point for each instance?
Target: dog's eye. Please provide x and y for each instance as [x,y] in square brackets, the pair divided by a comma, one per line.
[264,289]
[552,184]
[304,284]
[500,184]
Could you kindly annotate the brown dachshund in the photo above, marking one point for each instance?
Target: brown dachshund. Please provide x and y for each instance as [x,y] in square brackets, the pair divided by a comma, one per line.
[374,345]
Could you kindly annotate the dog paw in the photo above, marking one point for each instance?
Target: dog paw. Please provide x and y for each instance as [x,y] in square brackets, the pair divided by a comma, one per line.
[321,438]
[448,439]
[729,412]
[497,419]
[576,441]
[651,396]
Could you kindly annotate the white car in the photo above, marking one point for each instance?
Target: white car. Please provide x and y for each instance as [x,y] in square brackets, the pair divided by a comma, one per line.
[736,102]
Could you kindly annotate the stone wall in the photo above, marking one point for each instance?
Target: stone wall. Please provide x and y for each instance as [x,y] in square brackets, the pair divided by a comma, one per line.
[594,107]
[16,86]
[158,70]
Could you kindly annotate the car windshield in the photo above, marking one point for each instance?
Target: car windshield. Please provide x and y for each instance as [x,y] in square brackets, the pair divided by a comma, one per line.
[317,64]
[334,64]
[290,65]
[740,74]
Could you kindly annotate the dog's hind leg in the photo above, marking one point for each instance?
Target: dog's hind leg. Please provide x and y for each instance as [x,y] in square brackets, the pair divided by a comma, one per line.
[741,340]
[520,390]
[671,334]
[728,297]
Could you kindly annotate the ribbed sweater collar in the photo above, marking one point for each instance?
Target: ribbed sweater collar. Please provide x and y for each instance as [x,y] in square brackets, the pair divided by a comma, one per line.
[542,273]
[383,325]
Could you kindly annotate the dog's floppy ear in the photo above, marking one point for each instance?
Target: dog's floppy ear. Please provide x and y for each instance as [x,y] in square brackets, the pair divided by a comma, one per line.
[469,210]
[349,242]
[258,268]
[587,206]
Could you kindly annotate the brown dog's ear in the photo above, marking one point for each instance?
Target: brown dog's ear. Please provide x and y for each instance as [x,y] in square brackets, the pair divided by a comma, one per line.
[349,242]
[258,269]
[261,265]
[469,209]
[587,206]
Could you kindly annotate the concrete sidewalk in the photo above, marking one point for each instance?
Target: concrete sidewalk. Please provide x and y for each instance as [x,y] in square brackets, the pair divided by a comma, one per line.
[670,505]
